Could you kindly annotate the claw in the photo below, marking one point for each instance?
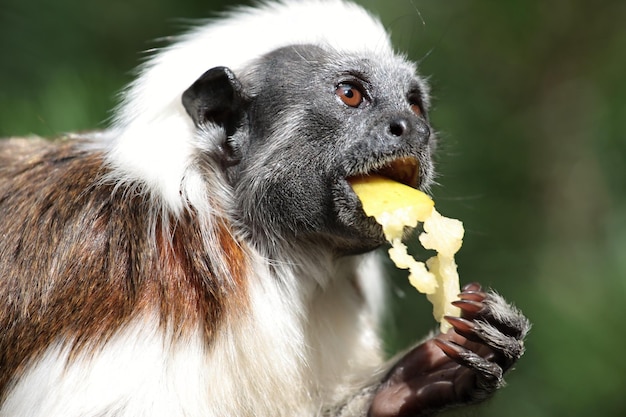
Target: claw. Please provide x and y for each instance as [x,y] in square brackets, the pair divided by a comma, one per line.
[473,295]
[472,286]
[469,306]
[463,327]
[481,364]
[452,350]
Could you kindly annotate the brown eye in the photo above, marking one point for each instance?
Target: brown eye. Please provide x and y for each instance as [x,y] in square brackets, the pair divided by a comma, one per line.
[416,109]
[349,94]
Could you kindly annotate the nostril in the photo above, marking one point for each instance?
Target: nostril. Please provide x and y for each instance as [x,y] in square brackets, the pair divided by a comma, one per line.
[397,127]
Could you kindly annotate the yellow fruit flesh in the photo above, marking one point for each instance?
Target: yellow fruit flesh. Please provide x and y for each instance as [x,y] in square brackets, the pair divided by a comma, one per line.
[394,206]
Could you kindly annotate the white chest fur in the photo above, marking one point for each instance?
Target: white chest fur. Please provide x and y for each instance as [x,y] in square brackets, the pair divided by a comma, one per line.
[273,360]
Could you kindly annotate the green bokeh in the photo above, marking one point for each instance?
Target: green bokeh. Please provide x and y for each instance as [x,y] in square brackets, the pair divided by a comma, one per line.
[530,105]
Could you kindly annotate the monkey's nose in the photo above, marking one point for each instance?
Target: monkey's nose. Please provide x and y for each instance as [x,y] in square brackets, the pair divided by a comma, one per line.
[398,127]
[403,128]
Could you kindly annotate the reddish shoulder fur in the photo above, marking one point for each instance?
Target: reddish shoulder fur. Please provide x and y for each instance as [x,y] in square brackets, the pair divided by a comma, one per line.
[80,258]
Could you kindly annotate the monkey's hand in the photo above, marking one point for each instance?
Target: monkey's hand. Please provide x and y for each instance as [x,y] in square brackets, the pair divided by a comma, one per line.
[463,366]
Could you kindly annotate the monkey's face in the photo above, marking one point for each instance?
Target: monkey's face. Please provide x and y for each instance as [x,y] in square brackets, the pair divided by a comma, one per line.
[303,121]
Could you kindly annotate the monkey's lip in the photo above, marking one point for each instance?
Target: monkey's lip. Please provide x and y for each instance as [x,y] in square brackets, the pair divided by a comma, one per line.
[404,170]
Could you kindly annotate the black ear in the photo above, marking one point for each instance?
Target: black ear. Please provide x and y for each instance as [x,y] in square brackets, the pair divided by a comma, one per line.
[216,97]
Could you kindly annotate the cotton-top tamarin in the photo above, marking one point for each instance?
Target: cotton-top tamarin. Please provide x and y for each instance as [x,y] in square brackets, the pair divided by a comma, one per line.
[206,256]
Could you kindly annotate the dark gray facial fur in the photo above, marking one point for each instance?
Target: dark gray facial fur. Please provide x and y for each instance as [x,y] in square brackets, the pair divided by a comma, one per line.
[297,143]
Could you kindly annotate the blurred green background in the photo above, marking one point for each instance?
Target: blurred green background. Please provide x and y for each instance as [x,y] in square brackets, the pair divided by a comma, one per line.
[530,105]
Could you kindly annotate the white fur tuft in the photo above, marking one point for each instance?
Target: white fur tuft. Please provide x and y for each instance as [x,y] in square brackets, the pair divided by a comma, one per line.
[153,136]
[138,373]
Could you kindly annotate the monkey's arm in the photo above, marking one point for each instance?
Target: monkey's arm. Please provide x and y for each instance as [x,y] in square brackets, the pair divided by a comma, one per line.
[465,365]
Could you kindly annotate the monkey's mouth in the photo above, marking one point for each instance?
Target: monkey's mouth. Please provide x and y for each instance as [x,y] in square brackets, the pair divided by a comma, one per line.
[404,170]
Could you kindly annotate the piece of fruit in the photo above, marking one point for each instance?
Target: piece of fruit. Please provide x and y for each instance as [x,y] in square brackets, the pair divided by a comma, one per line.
[393,204]
[396,206]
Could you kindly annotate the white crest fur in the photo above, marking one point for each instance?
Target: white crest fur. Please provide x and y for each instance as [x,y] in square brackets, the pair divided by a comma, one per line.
[153,137]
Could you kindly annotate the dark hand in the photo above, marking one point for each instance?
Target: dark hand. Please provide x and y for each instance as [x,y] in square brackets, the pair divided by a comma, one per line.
[463,366]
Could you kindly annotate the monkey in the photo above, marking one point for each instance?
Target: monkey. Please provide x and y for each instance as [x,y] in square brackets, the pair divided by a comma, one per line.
[205,255]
